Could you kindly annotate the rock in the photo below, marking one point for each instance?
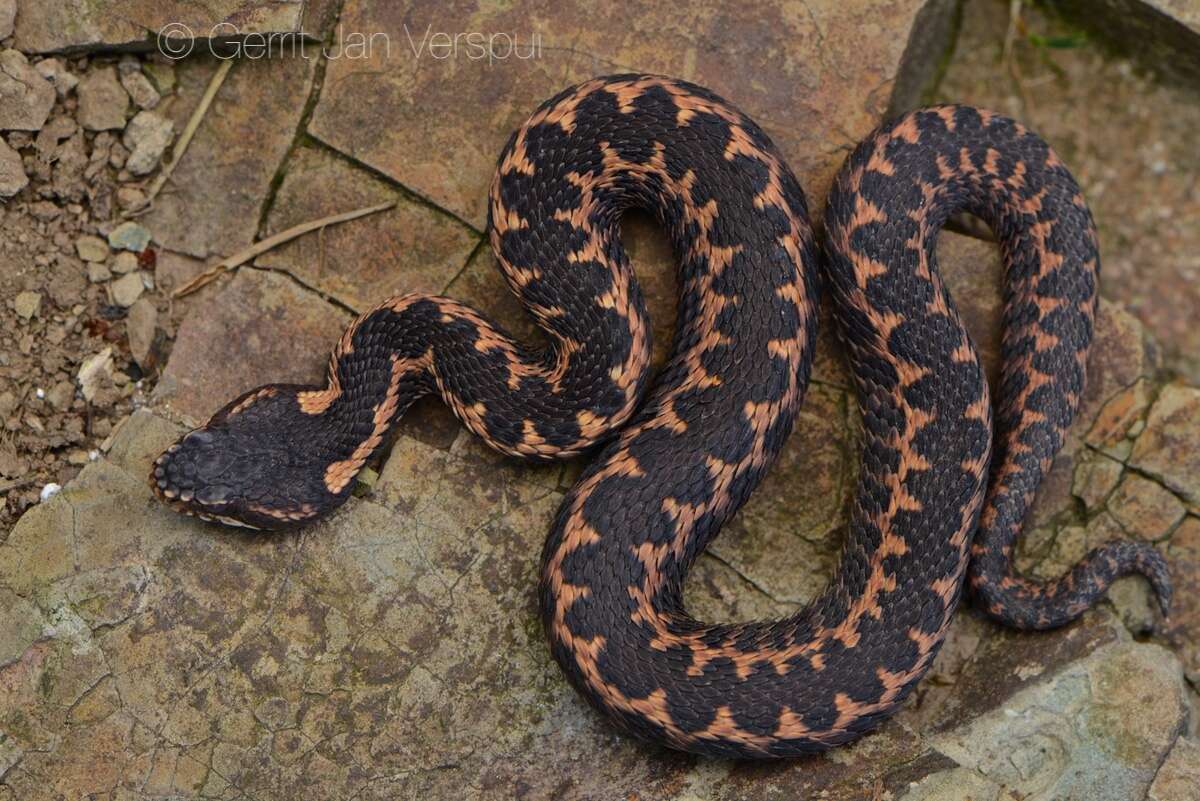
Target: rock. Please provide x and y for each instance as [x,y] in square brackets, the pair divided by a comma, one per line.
[259,327]
[406,249]
[127,289]
[161,75]
[1169,447]
[1144,508]
[8,15]
[1095,479]
[228,187]
[140,325]
[1183,554]
[125,262]
[98,272]
[27,304]
[25,96]
[1179,777]
[130,197]
[1119,415]
[91,248]
[56,72]
[12,171]
[1097,729]
[140,90]
[104,26]
[102,101]
[129,236]
[147,136]
[60,396]
[94,371]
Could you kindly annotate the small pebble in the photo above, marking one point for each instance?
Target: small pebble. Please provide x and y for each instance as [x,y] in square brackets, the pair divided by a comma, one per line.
[98,272]
[125,262]
[127,289]
[28,304]
[50,490]
[91,248]
[129,236]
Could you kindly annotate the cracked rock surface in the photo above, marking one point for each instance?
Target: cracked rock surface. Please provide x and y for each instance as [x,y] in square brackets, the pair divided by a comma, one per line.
[394,650]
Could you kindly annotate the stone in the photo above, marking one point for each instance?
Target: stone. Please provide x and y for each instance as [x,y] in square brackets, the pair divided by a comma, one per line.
[27,304]
[140,326]
[94,371]
[825,54]
[1169,447]
[1095,479]
[25,96]
[12,171]
[127,289]
[1097,729]
[135,24]
[98,272]
[125,262]
[1145,508]
[129,236]
[56,72]
[1119,415]
[147,136]
[409,248]
[8,15]
[91,248]
[259,107]
[161,75]
[139,88]
[1179,777]
[1183,556]
[102,100]
[262,327]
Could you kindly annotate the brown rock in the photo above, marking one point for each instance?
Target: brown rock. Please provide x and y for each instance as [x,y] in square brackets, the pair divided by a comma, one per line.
[25,96]
[140,326]
[102,100]
[1179,777]
[1183,554]
[410,248]
[1095,479]
[259,107]
[8,13]
[261,328]
[1169,447]
[1144,508]
[823,78]
[12,172]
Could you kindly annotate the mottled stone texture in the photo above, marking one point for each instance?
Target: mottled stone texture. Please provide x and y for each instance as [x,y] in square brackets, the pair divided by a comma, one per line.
[44,26]
[1164,35]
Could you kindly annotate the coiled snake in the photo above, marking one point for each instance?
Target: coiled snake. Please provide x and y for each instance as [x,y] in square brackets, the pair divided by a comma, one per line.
[680,461]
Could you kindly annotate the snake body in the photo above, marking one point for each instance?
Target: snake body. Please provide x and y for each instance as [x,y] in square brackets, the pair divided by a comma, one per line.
[679,460]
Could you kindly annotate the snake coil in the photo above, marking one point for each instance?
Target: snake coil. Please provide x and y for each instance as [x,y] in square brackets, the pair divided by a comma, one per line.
[678,461]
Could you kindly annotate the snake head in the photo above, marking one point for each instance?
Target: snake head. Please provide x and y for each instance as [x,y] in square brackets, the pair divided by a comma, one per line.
[231,469]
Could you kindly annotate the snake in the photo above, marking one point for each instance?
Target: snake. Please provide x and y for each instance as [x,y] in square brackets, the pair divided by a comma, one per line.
[945,479]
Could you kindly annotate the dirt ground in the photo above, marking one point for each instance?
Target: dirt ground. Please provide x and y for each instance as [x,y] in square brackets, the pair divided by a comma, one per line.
[1130,140]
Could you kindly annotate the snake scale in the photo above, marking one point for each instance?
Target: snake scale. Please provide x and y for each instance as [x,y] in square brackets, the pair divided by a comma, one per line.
[939,501]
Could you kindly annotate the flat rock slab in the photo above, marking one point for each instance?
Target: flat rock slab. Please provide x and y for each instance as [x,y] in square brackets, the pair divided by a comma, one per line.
[394,651]
[44,26]
[260,328]
[817,76]
[410,248]
[220,191]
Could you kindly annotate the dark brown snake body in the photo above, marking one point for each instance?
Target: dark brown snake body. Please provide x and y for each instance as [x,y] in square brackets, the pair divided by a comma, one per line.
[681,460]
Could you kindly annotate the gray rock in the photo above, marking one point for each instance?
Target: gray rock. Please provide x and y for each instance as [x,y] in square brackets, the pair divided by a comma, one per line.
[102,101]
[1097,729]
[25,96]
[147,137]
[129,236]
[12,172]
[127,289]
[140,89]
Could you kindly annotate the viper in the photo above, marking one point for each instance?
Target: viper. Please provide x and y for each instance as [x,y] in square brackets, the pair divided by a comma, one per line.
[945,481]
